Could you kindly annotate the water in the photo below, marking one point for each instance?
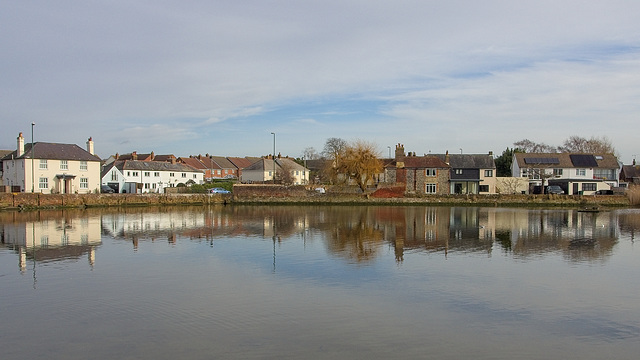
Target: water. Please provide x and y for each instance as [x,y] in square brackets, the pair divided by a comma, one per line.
[251,282]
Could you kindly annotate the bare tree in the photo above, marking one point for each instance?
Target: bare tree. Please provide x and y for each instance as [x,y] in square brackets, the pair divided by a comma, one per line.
[529,146]
[334,151]
[594,145]
[310,153]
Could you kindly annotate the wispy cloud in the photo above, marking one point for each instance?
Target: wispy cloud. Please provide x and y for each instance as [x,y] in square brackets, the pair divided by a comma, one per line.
[430,74]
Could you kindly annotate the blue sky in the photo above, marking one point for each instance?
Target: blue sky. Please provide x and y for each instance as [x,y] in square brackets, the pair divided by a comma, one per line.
[218,77]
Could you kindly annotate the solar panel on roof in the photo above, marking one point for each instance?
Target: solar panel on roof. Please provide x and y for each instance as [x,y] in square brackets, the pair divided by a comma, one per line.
[537,160]
[580,160]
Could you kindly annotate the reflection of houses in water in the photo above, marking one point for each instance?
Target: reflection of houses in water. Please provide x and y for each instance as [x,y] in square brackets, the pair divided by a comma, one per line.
[436,229]
[578,234]
[52,236]
[202,223]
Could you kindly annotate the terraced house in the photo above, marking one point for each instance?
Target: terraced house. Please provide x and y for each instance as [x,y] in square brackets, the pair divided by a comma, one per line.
[51,168]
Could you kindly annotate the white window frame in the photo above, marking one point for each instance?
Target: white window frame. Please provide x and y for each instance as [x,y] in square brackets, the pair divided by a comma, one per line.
[84,183]
[43,183]
[44,165]
[64,165]
[430,188]
[83,165]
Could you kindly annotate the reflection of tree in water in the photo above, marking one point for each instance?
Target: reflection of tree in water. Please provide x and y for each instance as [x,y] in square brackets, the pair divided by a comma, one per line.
[354,236]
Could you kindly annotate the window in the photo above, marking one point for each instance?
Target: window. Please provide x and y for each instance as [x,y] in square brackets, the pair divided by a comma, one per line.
[43,183]
[135,173]
[581,172]
[83,165]
[84,183]
[146,185]
[184,175]
[64,165]
[430,188]
[194,176]
[172,174]
[458,171]
[483,188]
[589,187]
[43,164]
[147,173]
[557,172]
[114,176]
[430,172]
[156,174]
[128,173]
[488,173]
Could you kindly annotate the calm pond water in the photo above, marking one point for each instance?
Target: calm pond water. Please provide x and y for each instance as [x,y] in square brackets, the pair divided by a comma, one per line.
[285,282]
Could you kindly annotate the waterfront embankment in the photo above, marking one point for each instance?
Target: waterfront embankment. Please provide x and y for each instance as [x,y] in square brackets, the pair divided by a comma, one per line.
[25,201]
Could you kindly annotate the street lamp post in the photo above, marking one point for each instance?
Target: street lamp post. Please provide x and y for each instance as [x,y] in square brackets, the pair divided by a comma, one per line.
[274,158]
[33,152]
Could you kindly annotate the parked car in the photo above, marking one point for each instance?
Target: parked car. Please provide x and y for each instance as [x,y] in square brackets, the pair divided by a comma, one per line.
[106,189]
[604,192]
[219,190]
[554,189]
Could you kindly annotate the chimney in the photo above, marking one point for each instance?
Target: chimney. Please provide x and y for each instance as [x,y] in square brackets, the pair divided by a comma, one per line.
[446,158]
[90,146]
[491,153]
[400,156]
[134,155]
[20,145]
[153,156]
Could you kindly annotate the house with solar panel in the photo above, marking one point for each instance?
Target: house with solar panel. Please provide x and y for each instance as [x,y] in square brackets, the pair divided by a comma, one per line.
[576,174]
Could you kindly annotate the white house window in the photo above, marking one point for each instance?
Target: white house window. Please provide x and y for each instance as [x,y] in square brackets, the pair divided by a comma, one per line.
[64,165]
[83,165]
[458,171]
[488,173]
[146,185]
[557,172]
[156,174]
[430,188]
[114,176]
[43,164]
[184,175]
[194,176]
[589,187]
[581,172]
[430,172]
[147,173]
[172,174]
[135,173]
[84,183]
[43,183]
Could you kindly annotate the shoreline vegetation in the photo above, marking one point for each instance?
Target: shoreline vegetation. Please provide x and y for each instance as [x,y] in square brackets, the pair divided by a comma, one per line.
[282,195]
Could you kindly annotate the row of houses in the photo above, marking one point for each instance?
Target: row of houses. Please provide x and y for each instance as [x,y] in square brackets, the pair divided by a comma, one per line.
[67,168]
[53,168]
[575,174]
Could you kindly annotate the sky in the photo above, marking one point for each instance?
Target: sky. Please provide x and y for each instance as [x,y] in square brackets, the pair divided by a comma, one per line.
[219,77]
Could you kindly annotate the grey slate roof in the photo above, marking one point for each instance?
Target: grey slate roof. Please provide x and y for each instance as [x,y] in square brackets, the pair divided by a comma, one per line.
[469,161]
[53,151]
[153,166]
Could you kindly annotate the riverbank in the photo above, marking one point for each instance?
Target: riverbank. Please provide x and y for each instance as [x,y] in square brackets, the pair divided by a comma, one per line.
[25,201]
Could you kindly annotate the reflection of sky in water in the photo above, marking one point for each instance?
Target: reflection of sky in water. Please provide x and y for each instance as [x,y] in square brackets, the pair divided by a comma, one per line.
[197,296]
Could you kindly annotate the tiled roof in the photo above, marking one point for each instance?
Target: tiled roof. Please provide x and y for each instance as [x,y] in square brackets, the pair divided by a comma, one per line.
[153,166]
[424,162]
[267,164]
[194,162]
[223,162]
[53,151]
[244,162]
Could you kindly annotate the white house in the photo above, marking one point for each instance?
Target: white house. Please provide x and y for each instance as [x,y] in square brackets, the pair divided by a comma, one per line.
[136,176]
[51,168]
[287,170]
[574,173]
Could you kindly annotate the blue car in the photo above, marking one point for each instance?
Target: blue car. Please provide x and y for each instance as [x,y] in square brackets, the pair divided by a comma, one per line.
[218,190]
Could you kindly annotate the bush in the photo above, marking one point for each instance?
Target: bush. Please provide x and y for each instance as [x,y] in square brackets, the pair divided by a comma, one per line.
[634,195]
